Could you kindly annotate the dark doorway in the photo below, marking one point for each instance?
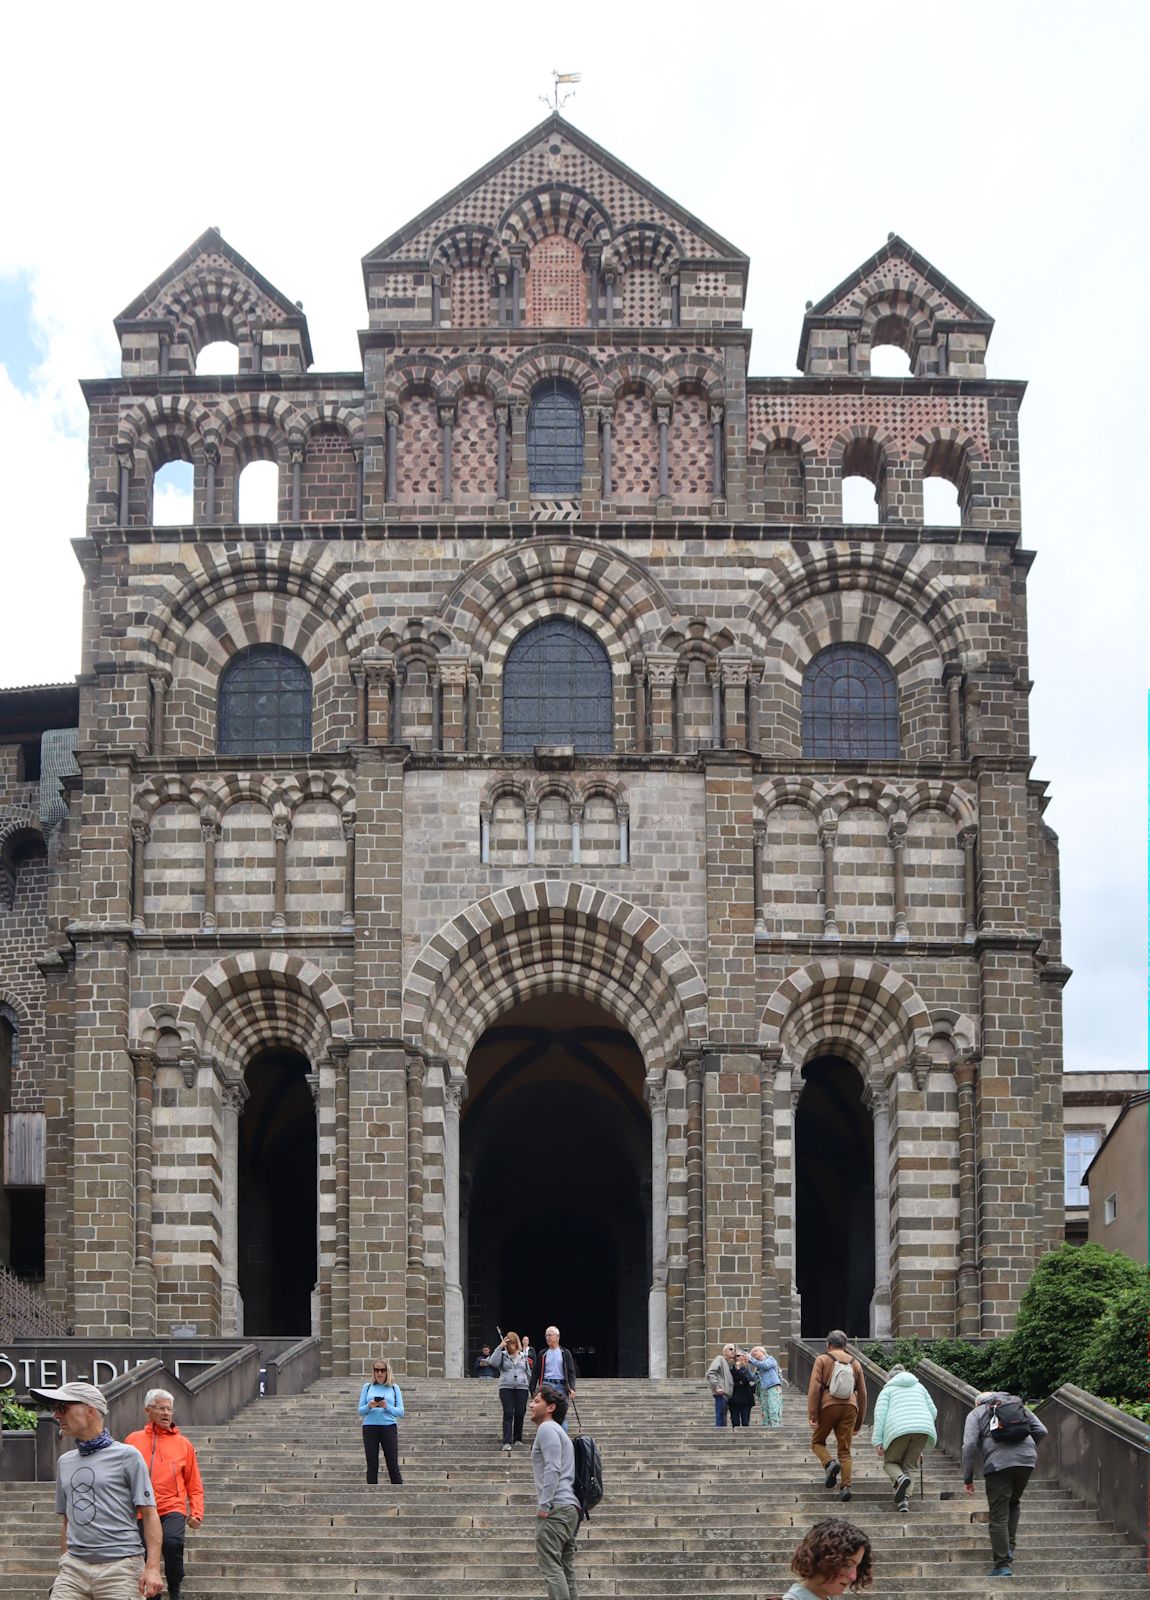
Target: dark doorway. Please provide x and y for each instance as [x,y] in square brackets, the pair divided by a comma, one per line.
[834,1200]
[277,1195]
[555,1146]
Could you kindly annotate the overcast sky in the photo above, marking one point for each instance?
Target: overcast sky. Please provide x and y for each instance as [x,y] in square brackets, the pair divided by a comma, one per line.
[1007,142]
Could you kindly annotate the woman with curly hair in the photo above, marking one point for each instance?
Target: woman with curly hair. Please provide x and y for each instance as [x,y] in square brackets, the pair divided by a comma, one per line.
[834,1556]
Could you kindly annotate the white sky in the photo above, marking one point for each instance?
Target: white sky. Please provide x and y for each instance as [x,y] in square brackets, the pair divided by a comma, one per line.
[1007,142]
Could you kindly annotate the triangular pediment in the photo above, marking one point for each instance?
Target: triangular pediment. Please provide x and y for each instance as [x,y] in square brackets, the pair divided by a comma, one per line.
[554,175]
[900,266]
[211,262]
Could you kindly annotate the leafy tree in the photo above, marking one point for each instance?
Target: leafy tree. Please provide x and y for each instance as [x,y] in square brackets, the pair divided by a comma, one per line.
[1115,1362]
[1066,1298]
[13,1415]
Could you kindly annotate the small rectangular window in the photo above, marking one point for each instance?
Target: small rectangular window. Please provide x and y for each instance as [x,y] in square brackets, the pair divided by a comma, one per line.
[1081,1148]
[1110,1209]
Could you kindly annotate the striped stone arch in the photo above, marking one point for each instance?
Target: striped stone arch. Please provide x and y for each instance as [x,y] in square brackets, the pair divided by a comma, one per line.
[217,794]
[410,374]
[692,372]
[939,794]
[596,785]
[328,415]
[643,244]
[469,244]
[809,793]
[298,571]
[164,789]
[19,823]
[11,1002]
[255,424]
[945,451]
[497,598]
[546,938]
[504,787]
[297,788]
[166,425]
[891,284]
[542,788]
[632,371]
[892,573]
[863,1009]
[863,445]
[868,794]
[259,1000]
[556,361]
[472,373]
[784,436]
[895,315]
[555,208]
[209,303]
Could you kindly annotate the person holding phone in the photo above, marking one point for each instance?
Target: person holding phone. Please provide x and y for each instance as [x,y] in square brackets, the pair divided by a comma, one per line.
[509,1361]
[380,1408]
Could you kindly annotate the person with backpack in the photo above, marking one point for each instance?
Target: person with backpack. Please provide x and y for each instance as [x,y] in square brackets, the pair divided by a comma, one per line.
[903,1427]
[836,1403]
[1003,1435]
[557,1505]
[769,1384]
[510,1364]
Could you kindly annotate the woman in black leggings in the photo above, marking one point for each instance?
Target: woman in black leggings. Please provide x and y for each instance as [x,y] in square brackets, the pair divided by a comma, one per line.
[510,1361]
[380,1407]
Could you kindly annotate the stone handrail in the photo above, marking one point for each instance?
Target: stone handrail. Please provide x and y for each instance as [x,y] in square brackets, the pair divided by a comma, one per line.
[1098,1454]
[294,1369]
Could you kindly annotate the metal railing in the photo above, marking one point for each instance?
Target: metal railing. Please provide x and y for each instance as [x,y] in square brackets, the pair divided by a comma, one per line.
[25,1314]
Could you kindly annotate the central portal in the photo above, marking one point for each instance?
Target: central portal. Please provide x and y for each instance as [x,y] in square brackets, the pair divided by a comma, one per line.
[555,1161]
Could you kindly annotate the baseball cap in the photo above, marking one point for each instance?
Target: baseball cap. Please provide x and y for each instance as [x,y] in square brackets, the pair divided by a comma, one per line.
[85,1394]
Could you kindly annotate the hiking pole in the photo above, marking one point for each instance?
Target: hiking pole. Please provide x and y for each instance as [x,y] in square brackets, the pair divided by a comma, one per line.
[575,1409]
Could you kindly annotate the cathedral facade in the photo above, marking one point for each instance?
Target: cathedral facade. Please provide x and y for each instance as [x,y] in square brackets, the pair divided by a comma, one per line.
[557,870]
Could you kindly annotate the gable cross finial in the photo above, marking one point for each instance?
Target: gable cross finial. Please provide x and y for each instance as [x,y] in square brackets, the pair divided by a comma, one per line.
[555,101]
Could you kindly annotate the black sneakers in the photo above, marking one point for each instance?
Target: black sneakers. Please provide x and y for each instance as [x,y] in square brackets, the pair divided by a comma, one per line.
[844,1493]
[831,1474]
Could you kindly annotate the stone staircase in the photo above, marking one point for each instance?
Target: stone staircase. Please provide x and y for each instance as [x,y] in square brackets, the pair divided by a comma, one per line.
[689,1511]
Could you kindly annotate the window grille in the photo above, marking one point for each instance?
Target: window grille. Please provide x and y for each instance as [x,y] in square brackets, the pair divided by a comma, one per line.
[557,690]
[555,441]
[264,703]
[850,705]
[1081,1149]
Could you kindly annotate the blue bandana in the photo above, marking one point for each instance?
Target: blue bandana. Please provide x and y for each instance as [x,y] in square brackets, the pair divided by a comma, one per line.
[88,1447]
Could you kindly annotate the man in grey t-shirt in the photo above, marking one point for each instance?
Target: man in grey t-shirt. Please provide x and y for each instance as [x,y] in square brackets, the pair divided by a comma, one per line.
[100,1487]
[553,1463]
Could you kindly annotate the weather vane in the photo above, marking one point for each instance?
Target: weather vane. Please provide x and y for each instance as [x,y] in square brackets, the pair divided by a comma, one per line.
[555,101]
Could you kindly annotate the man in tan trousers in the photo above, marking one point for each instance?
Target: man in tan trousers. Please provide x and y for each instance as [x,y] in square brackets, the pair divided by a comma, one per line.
[836,1403]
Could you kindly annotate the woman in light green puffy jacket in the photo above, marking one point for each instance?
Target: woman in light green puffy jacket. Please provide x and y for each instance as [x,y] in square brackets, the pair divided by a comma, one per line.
[903,1427]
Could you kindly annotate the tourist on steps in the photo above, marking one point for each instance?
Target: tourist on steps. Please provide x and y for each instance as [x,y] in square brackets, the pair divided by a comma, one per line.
[482,1370]
[836,1403]
[556,1368]
[742,1396]
[834,1556]
[903,1427]
[175,1474]
[557,1508]
[721,1381]
[769,1384]
[380,1408]
[1003,1434]
[509,1361]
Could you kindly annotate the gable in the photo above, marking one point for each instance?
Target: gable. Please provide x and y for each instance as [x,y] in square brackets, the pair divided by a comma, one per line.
[899,267]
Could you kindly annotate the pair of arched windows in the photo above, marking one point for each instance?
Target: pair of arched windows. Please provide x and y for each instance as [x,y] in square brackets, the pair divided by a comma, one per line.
[557,690]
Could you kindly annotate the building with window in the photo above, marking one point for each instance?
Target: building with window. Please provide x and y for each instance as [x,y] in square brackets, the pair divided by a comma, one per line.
[554,868]
[1092,1103]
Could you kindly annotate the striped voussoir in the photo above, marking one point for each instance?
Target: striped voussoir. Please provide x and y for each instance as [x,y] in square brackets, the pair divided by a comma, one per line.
[254,999]
[862,1005]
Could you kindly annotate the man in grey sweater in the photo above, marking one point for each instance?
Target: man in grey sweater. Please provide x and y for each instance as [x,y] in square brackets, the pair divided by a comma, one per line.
[553,1463]
[1006,1468]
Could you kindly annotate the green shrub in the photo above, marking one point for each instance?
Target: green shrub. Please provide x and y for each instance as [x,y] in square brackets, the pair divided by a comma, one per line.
[13,1416]
[1115,1360]
[977,1364]
[1139,1409]
[1067,1296]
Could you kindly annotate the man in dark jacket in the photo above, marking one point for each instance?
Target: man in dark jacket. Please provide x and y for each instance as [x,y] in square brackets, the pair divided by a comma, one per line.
[555,1367]
[1006,1469]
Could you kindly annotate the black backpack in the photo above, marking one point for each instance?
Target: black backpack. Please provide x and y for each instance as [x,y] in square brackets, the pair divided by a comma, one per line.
[1008,1423]
[588,1474]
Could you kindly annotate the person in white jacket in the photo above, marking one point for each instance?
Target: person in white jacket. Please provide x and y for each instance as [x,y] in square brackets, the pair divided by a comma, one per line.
[903,1427]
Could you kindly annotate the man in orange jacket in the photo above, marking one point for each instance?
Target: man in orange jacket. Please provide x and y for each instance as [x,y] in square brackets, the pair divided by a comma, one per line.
[171,1461]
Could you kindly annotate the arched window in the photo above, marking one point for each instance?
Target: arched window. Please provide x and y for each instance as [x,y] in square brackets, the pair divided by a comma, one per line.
[265,702]
[557,689]
[850,705]
[555,441]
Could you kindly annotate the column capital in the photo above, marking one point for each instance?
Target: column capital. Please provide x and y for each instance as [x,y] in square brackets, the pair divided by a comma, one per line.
[144,1062]
[160,677]
[233,1093]
[968,835]
[347,823]
[717,412]
[392,416]
[453,669]
[141,830]
[446,410]
[210,829]
[896,834]
[455,1091]
[281,829]
[655,1091]
[876,1097]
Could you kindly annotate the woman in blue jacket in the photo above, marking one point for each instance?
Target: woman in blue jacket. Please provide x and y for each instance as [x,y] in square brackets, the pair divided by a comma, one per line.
[903,1427]
[380,1407]
[769,1382]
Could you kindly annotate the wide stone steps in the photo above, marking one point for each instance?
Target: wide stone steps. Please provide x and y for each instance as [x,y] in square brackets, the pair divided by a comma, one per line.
[690,1511]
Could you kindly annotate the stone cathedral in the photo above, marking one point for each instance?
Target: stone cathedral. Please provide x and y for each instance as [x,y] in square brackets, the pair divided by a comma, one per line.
[559,869]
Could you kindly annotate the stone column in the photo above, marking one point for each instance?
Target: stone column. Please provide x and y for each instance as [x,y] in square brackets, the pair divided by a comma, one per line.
[968,839]
[609,280]
[446,433]
[768,1066]
[607,482]
[454,1090]
[532,816]
[828,829]
[896,834]
[341,1265]
[715,677]
[656,1092]
[210,833]
[696,1284]
[663,422]
[211,462]
[357,453]
[391,456]
[639,674]
[416,1264]
[141,833]
[124,461]
[295,456]
[624,835]
[379,675]
[576,833]
[232,1097]
[718,478]
[758,848]
[484,835]
[502,421]
[281,830]
[519,488]
[952,676]
[735,673]
[143,1270]
[159,682]
[348,871]
[877,1097]
[969,1284]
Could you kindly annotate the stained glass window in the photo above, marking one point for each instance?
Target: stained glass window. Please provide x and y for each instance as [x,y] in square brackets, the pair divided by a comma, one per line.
[555,441]
[557,689]
[850,705]
[265,702]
